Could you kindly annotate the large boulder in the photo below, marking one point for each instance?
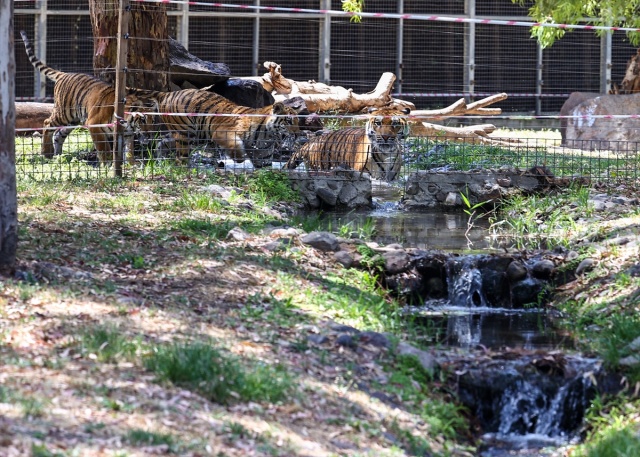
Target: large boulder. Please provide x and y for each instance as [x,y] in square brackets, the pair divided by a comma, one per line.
[587,130]
[245,92]
[575,98]
[187,68]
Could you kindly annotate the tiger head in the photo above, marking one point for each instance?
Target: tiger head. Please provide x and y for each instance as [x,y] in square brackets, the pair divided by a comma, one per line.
[386,128]
[284,121]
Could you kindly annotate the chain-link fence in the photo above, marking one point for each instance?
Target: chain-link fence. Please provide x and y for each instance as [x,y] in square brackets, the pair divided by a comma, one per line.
[154,152]
[436,62]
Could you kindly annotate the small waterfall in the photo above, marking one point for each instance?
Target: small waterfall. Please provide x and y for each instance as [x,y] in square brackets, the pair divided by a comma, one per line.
[529,402]
[464,281]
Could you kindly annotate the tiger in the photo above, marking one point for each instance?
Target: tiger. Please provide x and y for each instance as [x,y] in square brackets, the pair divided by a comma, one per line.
[201,116]
[376,148]
[81,99]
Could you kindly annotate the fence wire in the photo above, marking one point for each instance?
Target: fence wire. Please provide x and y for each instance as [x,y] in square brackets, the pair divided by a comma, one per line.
[152,152]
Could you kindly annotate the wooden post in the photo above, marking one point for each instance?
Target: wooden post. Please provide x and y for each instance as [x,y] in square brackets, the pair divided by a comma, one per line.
[121,68]
[8,193]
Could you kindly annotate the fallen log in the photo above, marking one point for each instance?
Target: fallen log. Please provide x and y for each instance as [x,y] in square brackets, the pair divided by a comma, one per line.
[31,115]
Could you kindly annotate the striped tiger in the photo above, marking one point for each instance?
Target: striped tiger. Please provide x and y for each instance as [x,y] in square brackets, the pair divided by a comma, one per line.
[201,116]
[375,148]
[81,99]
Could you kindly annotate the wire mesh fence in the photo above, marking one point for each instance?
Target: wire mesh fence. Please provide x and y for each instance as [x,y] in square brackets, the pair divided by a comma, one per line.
[435,61]
[344,145]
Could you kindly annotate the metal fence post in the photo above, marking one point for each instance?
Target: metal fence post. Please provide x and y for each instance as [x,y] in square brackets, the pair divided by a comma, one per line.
[539,78]
[40,82]
[605,63]
[324,64]
[256,42]
[184,25]
[400,48]
[469,77]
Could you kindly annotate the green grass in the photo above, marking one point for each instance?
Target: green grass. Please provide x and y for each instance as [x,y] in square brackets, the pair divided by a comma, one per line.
[139,437]
[612,428]
[108,343]
[430,153]
[218,375]
[541,221]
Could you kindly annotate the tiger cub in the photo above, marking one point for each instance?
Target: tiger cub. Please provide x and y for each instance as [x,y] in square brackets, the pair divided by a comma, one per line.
[193,115]
[375,148]
[80,99]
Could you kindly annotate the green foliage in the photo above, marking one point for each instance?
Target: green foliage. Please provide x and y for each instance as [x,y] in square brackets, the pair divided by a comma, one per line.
[613,342]
[217,375]
[108,344]
[207,226]
[613,428]
[371,260]
[619,13]
[138,437]
[40,450]
[353,6]
[272,186]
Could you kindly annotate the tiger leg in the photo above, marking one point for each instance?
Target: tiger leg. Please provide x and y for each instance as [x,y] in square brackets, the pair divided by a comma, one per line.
[103,144]
[58,139]
[182,148]
[48,149]
[232,144]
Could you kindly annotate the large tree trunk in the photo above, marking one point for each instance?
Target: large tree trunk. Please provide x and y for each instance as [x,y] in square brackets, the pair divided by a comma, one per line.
[148,45]
[8,194]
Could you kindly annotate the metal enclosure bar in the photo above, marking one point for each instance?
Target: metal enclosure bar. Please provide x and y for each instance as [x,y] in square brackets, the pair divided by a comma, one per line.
[605,63]
[469,50]
[324,53]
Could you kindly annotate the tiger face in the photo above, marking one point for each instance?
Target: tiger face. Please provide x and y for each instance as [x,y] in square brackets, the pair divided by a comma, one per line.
[386,128]
[375,148]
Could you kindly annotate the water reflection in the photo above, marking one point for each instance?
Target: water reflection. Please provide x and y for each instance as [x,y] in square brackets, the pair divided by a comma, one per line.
[495,328]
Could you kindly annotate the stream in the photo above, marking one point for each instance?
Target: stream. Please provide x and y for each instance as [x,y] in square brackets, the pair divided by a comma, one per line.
[533,392]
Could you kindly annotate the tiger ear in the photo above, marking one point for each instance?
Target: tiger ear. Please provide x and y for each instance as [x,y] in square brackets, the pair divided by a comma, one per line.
[278,108]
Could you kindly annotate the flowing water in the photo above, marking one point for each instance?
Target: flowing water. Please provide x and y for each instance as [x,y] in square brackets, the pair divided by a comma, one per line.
[531,409]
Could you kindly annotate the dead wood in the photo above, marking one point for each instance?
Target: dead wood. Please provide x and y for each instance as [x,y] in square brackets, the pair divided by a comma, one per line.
[321,97]
[31,115]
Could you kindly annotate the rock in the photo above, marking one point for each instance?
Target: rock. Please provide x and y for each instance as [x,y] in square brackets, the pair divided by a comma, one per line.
[396,261]
[317,339]
[281,231]
[323,241]
[426,360]
[237,234]
[327,195]
[587,264]
[341,328]
[575,99]
[516,271]
[587,131]
[218,191]
[185,67]
[336,188]
[526,292]
[344,258]
[346,341]
[245,92]
[543,269]
[374,339]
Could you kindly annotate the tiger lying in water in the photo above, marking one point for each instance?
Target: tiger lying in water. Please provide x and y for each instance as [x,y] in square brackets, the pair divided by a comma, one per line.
[375,148]
[80,99]
[197,115]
